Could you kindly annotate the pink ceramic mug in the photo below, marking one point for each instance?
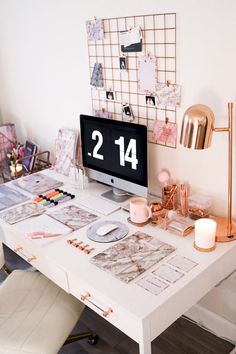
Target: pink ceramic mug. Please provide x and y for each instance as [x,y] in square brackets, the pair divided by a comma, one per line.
[139,210]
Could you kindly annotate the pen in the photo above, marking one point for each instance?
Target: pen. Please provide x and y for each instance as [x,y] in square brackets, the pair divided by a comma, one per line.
[41,234]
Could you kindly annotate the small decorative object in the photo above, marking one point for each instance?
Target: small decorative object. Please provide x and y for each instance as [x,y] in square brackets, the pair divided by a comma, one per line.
[181,225]
[205,234]
[156,206]
[16,153]
[167,95]
[200,201]
[94,29]
[163,177]
[169,197]
[195,213]
[97,77]
[16,170]
[183,193]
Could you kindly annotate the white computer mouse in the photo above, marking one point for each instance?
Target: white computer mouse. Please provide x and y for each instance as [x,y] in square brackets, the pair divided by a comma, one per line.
[105,229]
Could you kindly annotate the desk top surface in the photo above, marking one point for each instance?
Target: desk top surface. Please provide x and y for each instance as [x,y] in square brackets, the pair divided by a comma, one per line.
[209,270]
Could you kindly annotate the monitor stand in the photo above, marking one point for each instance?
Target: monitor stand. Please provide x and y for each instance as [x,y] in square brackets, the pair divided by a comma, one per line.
[117,195]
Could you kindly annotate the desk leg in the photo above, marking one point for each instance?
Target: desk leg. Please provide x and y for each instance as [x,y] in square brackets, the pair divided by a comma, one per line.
[145,347]
[145,342]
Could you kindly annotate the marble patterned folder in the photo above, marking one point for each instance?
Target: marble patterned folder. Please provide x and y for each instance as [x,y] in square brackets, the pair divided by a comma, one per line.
[131,257]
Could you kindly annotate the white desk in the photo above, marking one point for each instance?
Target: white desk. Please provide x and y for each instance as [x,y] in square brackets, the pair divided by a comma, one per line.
[135,311]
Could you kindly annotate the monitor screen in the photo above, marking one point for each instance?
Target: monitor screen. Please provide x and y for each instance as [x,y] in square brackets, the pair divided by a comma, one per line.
[115,153]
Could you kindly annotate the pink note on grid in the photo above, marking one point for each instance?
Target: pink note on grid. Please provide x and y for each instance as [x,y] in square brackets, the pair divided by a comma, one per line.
[147,75]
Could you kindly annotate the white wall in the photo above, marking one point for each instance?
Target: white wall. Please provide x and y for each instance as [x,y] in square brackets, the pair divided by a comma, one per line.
[44,76]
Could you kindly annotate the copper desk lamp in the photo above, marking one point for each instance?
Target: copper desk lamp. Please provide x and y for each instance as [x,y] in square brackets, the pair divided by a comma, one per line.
[196,133]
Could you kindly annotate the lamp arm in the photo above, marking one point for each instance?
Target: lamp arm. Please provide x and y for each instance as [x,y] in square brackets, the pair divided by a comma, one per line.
[219,130]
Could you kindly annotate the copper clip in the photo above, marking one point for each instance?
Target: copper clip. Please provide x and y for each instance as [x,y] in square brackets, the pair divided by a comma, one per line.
[107,313]
[70,242]
[77,244]
[85,296]
[88,251]
[30,259]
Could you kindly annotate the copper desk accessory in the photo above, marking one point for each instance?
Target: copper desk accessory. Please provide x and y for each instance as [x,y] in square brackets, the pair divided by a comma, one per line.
[196,133]
[169,197]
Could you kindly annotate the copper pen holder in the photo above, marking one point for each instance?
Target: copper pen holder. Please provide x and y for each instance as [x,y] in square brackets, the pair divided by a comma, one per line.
[169,197]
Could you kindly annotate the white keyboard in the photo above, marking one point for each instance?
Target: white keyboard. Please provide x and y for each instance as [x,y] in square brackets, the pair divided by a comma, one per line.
[97,204]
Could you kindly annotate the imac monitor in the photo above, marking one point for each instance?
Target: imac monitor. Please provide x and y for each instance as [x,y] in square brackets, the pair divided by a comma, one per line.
[115,153]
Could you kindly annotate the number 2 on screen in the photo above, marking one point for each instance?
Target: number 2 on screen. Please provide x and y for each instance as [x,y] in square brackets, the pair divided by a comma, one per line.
[96,134]
[130,154]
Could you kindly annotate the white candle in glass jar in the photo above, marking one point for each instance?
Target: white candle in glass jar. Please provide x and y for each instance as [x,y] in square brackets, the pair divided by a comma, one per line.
[205,233]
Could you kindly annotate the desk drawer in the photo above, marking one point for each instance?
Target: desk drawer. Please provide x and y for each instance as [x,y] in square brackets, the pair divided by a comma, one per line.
[104,307]
[37,259]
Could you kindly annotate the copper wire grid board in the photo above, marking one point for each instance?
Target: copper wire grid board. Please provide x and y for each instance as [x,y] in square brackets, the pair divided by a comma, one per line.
[159,40]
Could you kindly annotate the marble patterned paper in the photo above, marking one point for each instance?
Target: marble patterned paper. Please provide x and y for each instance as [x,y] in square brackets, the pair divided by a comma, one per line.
[37,183]
[22,212]
[95,29]
[97,77]
[73,216]
[168,95]
[65,145]
[164,133]
[132,256]
[10,197]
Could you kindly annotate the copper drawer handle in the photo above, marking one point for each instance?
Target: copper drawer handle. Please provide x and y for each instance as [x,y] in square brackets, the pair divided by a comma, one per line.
[108,312]
[85,296]
[28,259]
[17,249]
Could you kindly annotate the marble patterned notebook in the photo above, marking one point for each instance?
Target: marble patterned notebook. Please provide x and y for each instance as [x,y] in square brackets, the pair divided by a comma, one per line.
[73,216]
[131,257]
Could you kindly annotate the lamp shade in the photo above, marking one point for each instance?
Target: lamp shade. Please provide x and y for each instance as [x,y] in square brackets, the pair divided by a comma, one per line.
[197,127]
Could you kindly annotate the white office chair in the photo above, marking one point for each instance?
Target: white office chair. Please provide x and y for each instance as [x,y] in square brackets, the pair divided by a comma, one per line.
[36,316]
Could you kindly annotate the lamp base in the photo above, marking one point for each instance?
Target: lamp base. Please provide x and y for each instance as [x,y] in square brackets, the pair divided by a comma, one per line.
[222,229]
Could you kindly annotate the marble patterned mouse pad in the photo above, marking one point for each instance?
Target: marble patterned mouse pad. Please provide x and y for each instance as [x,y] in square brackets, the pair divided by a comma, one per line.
[118,233]
[131,257]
